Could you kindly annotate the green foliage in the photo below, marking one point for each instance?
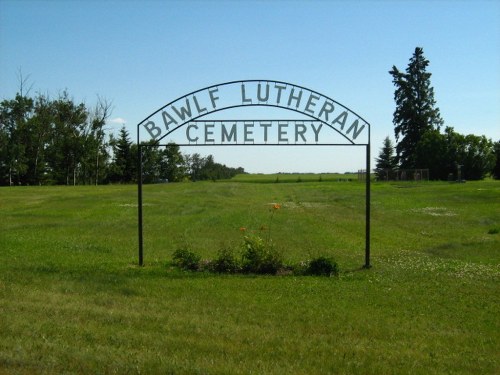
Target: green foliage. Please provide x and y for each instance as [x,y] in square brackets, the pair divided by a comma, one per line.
[122,169]
[432,153]
[293,177]
[468,157]
[260,256]
[416,111]
[322,266]
[15,139]
[44,141]
[417,124]
[257,257]
[226,261]
[476,157]
[173,163]
[386,161]
[47,141]
[186,259]
[205,168]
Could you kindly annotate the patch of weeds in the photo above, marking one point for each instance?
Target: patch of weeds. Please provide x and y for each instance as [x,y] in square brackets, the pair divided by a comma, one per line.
[256,258]
[300,268]
[494,231]
[322,266]
[260,256]
[186,259]
[225,262]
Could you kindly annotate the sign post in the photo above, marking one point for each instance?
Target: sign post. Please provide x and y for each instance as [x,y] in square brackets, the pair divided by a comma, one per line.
[367,209]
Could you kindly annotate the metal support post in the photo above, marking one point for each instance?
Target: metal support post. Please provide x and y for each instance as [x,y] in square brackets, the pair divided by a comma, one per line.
[139,203]
[367,234]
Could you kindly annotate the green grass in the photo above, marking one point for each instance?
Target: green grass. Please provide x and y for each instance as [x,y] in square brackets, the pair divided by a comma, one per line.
[295,177]
[73,300]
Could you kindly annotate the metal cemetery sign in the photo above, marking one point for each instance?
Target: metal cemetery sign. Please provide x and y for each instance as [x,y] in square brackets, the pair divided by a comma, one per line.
[321,121]
[313,105]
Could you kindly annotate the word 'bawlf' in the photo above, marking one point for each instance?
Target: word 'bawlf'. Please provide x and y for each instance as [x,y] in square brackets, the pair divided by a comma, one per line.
[254,93]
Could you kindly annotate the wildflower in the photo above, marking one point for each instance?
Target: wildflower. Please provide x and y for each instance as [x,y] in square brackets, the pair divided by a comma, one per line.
[243,229]
[276,206]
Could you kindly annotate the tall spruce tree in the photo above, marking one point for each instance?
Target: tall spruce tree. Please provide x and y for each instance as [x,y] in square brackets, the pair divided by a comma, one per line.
[416,111]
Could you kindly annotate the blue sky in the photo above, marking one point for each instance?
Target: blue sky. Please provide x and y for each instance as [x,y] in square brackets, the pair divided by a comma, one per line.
[142,54]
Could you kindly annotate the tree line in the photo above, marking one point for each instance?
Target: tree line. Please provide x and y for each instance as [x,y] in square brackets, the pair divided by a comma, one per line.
[162,164]
[46,141]
[420,142]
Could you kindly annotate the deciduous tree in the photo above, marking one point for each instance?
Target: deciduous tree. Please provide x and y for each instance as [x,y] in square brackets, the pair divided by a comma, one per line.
[14,133]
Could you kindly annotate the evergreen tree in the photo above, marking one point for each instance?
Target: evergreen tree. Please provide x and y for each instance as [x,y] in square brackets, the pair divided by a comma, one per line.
[122,168]
[415,112]
[386,161]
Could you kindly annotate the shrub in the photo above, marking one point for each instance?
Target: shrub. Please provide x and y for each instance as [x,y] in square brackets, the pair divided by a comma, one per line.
[322,266]
[186,259]
[226,262]
[205,265]
[260,257]
[301,268]
[494,231]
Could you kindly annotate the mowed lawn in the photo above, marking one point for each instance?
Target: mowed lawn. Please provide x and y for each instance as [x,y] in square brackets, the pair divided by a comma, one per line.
[74,301]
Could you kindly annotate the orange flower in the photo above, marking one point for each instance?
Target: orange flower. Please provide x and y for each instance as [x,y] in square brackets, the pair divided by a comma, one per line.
[242,229]
[277,206]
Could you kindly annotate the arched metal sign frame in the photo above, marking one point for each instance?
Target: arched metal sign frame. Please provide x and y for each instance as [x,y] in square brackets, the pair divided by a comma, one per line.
[190,110]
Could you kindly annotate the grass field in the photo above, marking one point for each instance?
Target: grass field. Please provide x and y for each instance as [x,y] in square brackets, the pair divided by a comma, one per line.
[73,300]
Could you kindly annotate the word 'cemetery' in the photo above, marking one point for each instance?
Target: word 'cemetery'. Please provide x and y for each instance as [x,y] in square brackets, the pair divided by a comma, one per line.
[255,131]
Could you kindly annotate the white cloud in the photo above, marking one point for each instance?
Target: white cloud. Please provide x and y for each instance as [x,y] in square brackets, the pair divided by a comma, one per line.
[118,120]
